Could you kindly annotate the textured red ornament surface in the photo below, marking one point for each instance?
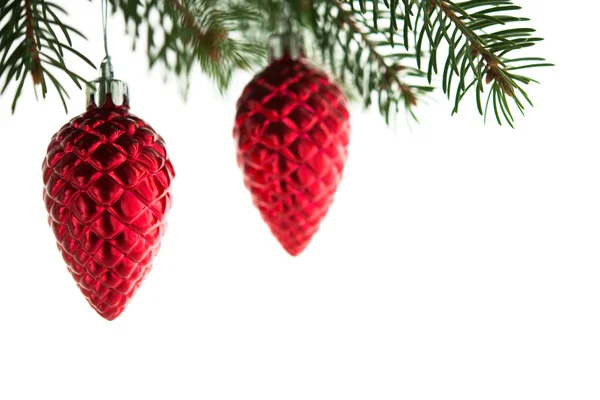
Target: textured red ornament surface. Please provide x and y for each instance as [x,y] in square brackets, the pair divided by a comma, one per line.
[107,180]
[292,136]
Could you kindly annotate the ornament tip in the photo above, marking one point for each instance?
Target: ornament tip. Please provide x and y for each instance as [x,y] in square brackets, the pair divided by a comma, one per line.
[294,251]
[110,316]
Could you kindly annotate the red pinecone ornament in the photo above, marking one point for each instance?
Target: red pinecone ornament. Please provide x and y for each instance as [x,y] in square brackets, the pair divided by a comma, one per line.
[292,135]
[107,179]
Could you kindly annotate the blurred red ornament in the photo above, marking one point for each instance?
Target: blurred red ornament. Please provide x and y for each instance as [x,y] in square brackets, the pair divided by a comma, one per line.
[292,134]
[107,180]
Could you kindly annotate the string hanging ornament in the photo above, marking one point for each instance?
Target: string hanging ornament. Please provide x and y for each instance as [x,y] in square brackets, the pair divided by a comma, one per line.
[107,189]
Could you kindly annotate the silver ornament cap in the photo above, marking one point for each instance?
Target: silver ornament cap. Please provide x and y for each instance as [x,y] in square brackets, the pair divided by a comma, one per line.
[107,87]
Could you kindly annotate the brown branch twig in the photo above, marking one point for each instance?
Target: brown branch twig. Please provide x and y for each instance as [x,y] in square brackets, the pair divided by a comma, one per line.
[36,64]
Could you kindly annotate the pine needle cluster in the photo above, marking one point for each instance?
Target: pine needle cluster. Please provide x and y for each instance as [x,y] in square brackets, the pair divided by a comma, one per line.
[391,54]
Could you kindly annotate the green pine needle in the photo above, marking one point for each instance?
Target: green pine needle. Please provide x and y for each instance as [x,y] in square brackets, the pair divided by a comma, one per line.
[387,53]
[30,31]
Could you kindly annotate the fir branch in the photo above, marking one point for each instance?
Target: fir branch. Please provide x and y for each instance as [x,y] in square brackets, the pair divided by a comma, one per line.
[476,56]
[387,50]
[29,45]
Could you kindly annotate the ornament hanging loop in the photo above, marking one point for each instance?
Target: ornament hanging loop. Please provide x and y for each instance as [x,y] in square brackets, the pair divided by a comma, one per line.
[106,63]
[286,18]
[288,43]
[106,90]
[106,69]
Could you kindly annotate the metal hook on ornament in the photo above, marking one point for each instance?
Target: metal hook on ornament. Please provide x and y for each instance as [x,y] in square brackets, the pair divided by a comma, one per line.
[106,69]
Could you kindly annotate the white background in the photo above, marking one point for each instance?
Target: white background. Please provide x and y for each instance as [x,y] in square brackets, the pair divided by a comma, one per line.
[459,261]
